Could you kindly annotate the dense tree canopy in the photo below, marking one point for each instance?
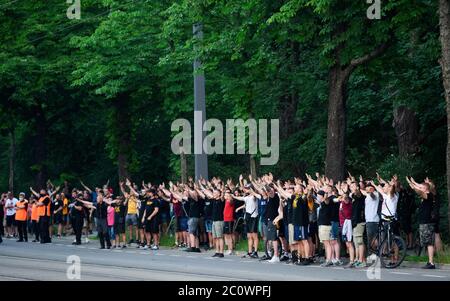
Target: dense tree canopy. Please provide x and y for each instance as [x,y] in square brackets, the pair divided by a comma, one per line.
[94,98]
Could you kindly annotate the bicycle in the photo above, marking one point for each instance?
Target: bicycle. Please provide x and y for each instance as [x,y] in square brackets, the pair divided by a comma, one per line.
[392,249]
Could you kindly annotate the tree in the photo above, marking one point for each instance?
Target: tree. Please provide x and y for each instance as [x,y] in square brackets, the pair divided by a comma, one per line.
[444,24]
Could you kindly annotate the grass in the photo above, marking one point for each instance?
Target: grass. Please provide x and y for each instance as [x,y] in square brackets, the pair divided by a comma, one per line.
[442,257]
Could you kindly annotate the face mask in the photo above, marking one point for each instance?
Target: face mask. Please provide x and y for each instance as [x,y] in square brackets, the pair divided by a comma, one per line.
[42,194]
[21,198]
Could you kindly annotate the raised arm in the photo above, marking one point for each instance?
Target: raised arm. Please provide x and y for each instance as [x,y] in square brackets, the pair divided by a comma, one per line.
[85,187]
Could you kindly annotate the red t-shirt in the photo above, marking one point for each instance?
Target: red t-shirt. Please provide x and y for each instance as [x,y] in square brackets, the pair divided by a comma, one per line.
[228,212]
[345,212]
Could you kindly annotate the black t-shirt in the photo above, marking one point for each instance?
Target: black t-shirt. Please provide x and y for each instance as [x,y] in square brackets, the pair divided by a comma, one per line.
[325,212]
[194,208]
[273,204]
[335,209]
[119,213]
[78,213]
[150,206]
[300,214]
[207,208]
[358,206]
[217,207]
[56,205]
[102,210]
[426,209]
[406,204]
[143,200]
[164,207]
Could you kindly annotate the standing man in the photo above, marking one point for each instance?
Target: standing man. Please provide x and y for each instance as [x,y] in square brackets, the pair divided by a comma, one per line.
[251,220]
[43,205]
[10,205]
[77,214]
[426,225]
[21,217]
[131,219]
[102,226]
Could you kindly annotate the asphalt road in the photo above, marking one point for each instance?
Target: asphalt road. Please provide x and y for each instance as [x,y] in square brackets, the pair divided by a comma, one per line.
[33,261]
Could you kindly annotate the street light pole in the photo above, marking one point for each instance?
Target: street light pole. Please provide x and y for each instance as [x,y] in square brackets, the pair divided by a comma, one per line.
[201,159]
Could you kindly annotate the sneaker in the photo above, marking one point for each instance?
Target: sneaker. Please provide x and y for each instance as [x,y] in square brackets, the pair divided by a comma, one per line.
[284,257]
[429,266]
[197,250]
[19,240]
[215,255]
[190,249]
[230,252]
[265,257]
[145,247]
[247,255]
[254,255]
[101,248]
[220,255]
[131,241]
[326,264]
[362,265]
[337,262]
[306,261]
[87,240]
[124,246]
[350,265]
[275,259]
[154,247]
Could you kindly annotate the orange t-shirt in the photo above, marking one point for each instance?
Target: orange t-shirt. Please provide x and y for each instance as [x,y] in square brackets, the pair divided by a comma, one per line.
[21,213]
[34,213]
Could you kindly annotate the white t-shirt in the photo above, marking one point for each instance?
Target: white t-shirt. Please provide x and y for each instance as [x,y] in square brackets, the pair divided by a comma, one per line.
[9,202]
[371,208]
[389,207]
[251,205]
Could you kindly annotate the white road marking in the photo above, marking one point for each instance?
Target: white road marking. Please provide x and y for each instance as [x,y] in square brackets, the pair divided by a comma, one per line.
[175,255]
[190,256]
[159,254]
[131,252]
[245,261]
[82,247]
[435,276]
[143,253]
[400,273]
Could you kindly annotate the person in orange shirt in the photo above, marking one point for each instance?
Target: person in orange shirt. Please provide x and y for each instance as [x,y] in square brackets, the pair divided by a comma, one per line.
[34,218]
[21,217]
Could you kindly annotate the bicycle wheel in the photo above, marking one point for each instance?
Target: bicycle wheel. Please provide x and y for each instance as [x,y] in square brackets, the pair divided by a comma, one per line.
[392,252]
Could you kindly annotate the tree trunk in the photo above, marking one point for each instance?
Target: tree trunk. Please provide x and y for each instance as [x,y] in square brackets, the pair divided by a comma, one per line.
[40,149]
[337,122]
[12,157]
[444,23]
[253,166]
[406,127]
[183,163]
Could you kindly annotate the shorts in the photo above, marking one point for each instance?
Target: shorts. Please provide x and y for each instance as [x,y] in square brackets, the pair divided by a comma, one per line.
[282,229]
[111,233]
[217,229]
[164,218]
[182,224]
[131,219]
[358,234]
[406,224]
[324,233]
[263,229]
[334,233]
[10,220]
[228,227]
[152,226]
[201,225]
[251,224]
[372,231]
[65,218]
[271,231]
[58,218]
[300,233]
[140,224]
[193,225]
[208,225]
[426,234]
[313,230]
[119,228]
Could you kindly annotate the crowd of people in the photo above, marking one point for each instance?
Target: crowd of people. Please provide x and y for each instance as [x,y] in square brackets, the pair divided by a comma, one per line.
[297,219]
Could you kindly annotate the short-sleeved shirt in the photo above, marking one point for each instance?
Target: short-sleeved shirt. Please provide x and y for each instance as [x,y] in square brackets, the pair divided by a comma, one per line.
[11,202]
